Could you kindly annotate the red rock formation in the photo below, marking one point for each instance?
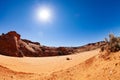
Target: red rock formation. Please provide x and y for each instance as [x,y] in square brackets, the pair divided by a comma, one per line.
[9,43]
[12,45]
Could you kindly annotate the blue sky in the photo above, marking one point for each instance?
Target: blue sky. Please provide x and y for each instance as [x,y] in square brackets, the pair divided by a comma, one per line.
[73,22]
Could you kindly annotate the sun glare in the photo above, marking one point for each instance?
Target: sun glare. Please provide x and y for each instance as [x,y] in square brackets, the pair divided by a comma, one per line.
[44,14]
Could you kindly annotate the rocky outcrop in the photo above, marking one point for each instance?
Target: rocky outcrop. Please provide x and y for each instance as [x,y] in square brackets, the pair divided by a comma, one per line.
[90,46]
[11,44]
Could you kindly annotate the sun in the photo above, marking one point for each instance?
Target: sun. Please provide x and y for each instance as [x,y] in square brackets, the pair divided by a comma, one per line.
[44,14]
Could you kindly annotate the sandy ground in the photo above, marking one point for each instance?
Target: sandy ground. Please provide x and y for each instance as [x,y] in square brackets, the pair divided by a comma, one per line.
[44,64]
[81,66]
[95,68]
[39,67]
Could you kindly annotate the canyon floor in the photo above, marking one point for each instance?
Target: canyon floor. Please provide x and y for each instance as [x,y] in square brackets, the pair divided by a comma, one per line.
[80,66]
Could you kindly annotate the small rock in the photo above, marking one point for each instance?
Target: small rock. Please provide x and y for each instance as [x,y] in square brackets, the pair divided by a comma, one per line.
[68,58]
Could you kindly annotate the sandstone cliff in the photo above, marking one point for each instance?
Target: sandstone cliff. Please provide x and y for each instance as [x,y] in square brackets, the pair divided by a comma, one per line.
[11,44]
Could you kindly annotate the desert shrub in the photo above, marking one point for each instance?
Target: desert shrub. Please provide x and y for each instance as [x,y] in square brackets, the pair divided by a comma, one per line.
[112,45]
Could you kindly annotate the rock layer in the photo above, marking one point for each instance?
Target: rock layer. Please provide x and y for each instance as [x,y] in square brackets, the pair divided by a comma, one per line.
[11,44]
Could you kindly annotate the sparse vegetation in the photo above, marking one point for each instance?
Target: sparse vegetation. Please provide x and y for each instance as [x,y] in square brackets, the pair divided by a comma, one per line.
[112,45]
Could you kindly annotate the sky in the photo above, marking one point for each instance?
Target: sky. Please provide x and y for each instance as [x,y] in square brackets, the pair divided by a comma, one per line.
[72,22]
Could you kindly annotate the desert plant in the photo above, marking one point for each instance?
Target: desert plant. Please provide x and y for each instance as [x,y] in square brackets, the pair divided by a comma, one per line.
[112,45]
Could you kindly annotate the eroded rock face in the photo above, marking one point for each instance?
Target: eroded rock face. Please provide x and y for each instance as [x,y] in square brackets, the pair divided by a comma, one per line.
[12,45]
[9,43]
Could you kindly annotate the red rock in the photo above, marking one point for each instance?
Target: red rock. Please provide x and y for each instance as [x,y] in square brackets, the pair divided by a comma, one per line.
[8,43]
[12,45]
